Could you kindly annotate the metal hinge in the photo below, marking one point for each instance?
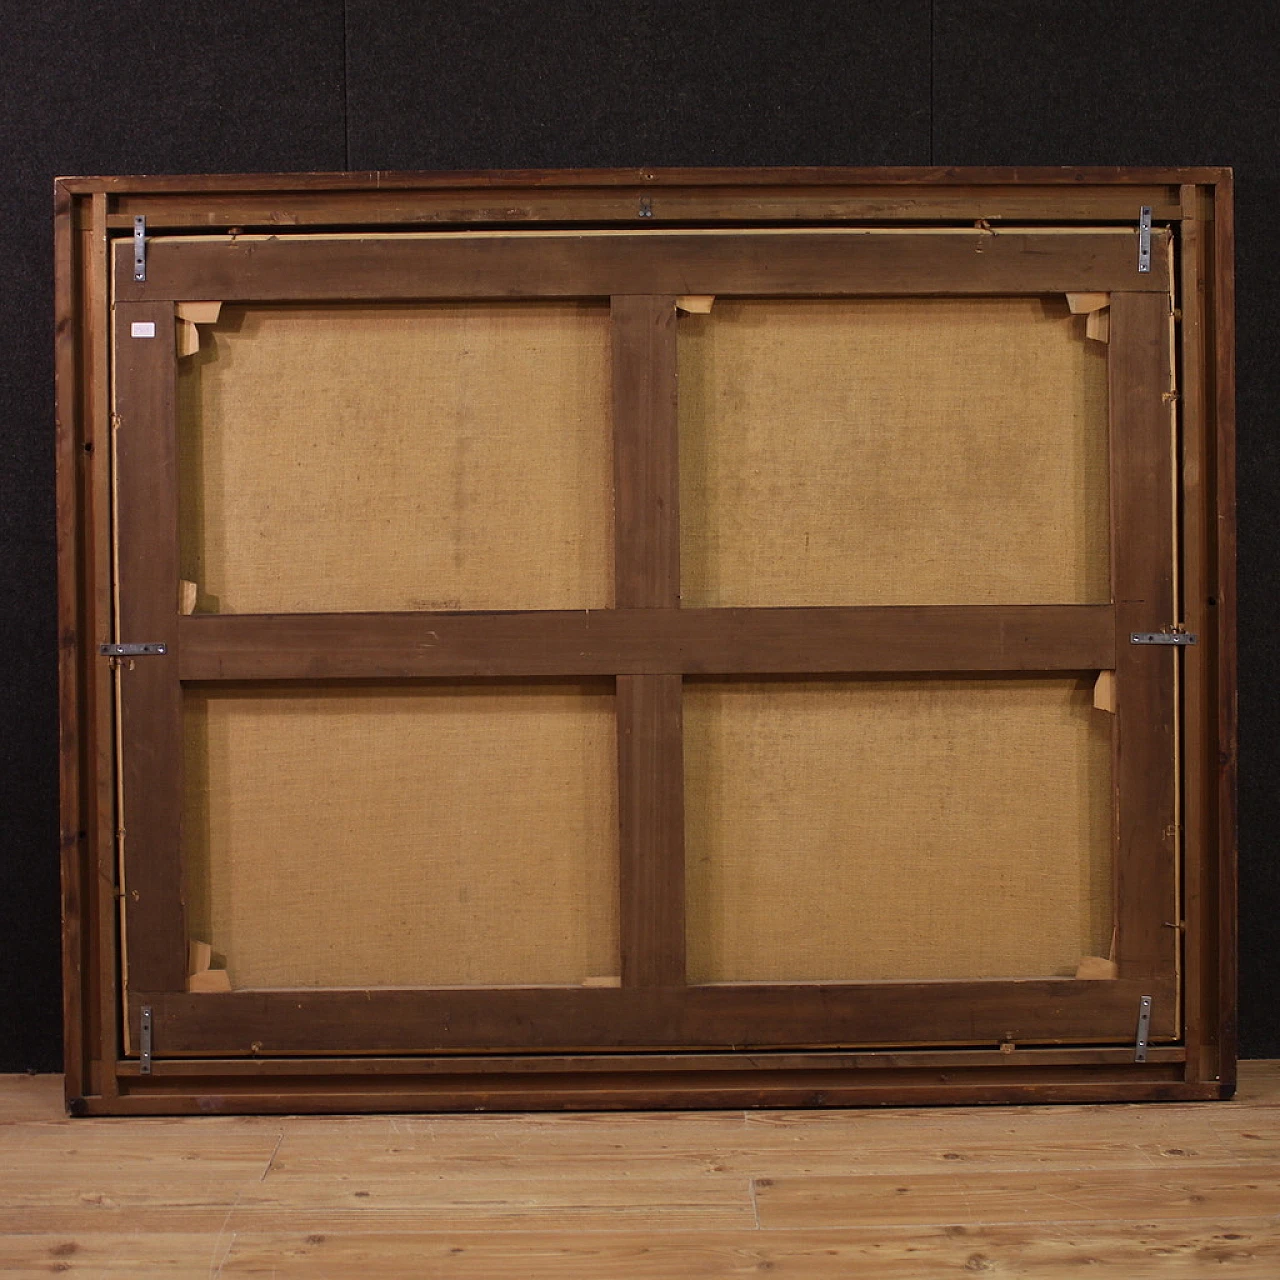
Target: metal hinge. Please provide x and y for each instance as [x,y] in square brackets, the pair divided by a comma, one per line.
[144,1041]
[140,248]
[1144,238]
[1144,1029]
[133,650]
[1174,636]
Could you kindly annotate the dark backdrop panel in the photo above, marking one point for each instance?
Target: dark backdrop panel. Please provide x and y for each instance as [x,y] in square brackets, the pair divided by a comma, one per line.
[510,84]
[1194,83]
[89,88]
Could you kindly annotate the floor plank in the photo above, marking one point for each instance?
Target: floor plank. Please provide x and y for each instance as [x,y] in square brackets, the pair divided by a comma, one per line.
[1259,1083]
[1134,1195]
[779,1143]
[1240,1249]
[26,1098]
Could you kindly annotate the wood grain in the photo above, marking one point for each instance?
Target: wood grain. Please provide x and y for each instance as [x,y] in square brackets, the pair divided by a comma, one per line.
[1239,1248]
[151,699]
[73,822]
[533,265]
[679,1089]
[646,452]
[1199,894]
[1144,771]
[651,843]
[1141,1194]
[1134,1193]
[321,1022]
[300,1069]
[633,641]
[932,177]
[621,205]
[31,1097]
[100,768]
[1224,923]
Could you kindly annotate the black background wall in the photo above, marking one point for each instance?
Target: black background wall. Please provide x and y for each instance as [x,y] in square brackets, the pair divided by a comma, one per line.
[266,85]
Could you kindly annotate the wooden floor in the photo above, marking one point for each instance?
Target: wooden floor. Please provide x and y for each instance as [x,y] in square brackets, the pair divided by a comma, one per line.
[1161,1190]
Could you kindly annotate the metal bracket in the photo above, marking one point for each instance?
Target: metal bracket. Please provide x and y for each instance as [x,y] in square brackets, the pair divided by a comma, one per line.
[140,248]
[133,650]
[1144,238]
[1180,638]
[1144,1029]
[144,1042]
[646,207]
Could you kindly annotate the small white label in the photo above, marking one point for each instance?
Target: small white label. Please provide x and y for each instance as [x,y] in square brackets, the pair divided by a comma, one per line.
[142,329]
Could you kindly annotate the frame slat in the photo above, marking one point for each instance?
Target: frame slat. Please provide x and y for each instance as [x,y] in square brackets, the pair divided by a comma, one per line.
[150,694]
[561,1018]
[1142,538]
[567,265]
[651,836]
[338,646]
[646,447]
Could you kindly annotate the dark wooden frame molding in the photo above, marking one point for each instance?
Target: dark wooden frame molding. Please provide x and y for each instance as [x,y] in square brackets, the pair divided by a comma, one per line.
[640,238]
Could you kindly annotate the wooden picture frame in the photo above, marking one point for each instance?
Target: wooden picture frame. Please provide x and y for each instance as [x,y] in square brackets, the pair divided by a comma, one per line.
[655,268]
